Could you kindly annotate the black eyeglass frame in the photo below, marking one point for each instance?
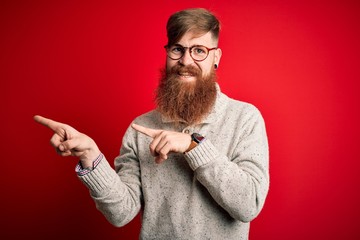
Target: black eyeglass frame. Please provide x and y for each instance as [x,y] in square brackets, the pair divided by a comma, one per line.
[190,50]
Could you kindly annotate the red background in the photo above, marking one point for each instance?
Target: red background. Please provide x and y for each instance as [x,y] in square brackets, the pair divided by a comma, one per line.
[95,65]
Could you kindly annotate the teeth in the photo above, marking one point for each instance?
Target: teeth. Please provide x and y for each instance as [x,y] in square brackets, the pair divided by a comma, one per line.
[185,74]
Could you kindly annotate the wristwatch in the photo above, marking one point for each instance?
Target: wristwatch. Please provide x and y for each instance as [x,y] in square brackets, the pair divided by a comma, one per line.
[196,139]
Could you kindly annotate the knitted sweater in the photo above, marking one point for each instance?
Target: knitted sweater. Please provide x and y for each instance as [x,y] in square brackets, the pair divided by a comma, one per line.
[211,192]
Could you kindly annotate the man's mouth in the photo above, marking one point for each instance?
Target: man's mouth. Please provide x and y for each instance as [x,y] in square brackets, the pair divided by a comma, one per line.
[185,74]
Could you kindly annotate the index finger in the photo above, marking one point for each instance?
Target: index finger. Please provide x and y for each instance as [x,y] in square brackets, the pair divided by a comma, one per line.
[147,131]
[53,125]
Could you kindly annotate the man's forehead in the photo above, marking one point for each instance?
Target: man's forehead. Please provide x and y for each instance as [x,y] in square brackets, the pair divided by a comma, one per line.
[195,38]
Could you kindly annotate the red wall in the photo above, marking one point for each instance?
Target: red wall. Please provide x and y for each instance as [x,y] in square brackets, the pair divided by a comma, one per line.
[95,64]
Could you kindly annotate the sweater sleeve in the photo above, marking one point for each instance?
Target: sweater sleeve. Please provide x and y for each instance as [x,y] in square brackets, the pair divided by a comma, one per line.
[238,183]
[117,194]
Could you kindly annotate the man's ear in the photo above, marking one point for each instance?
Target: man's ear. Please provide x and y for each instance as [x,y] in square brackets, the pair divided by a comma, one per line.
[217,58]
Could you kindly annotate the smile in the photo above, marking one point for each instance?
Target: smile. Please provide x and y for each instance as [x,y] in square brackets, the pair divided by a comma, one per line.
[185,74]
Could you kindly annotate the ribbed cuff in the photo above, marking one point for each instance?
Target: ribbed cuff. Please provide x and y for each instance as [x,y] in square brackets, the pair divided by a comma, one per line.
[201,154]
[100,178]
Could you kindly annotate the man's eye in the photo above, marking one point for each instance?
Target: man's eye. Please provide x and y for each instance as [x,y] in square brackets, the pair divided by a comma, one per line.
[177,50]
[199,51]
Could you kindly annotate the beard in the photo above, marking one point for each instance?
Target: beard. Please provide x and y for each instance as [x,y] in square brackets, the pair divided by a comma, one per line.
[188,102]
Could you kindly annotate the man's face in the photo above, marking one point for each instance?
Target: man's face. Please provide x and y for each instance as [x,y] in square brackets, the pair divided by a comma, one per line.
[202,67]
[187,89]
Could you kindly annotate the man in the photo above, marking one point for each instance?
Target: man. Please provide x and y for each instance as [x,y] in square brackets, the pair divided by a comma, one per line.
[197,165]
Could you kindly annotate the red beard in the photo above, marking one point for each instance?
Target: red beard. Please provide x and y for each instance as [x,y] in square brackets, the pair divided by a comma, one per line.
[188,102]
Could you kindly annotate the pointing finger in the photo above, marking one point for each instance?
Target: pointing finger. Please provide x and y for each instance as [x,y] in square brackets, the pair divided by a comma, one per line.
[147,131]
[53,125]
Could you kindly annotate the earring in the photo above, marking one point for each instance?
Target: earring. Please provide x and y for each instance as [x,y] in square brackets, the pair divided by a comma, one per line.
[215,66]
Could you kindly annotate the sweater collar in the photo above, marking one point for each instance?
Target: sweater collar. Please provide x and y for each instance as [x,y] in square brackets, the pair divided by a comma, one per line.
[219,106]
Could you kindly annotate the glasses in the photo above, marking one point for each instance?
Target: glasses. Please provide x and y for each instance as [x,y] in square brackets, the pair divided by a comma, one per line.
[197,52]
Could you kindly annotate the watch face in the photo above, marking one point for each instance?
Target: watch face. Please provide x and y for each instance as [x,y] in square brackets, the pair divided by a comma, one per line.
[197,137]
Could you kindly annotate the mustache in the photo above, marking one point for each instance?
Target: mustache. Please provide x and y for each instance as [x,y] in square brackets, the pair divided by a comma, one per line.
[178,69]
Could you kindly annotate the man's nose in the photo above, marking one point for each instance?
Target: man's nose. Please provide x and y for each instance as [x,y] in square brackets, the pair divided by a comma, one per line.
[186,59]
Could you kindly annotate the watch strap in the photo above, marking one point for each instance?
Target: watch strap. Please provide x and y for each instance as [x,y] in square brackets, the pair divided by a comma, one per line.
[196,139]
[192,145]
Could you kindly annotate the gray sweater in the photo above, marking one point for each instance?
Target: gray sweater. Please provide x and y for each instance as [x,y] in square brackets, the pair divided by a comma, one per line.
[211,192]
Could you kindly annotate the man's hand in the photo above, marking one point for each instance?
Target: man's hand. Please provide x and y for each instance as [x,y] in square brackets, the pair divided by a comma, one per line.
[69,142]
[164,142]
